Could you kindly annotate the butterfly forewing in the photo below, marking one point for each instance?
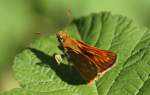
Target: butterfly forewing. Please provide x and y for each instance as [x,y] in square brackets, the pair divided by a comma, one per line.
[103,59]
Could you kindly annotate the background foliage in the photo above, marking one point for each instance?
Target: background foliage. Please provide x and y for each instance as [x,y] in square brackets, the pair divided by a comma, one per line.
[20,19]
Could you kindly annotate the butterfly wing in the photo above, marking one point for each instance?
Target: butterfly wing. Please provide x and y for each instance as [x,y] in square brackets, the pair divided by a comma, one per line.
[88,60]
[81,62]
[102,59]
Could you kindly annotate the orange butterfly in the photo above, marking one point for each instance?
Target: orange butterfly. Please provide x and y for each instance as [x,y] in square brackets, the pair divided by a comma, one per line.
[89,61]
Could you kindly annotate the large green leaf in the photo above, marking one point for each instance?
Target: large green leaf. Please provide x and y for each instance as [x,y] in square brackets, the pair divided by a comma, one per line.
[38,73]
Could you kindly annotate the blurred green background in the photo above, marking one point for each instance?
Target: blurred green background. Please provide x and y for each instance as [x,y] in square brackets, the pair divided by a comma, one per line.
[20,19]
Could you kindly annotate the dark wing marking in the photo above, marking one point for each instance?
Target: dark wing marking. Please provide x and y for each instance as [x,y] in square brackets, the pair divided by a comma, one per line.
[87,70]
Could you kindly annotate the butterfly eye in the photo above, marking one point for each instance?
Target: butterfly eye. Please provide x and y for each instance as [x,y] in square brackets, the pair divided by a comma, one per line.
[61,37]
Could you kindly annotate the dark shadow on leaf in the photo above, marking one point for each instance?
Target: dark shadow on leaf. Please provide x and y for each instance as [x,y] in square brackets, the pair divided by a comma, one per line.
[66,72]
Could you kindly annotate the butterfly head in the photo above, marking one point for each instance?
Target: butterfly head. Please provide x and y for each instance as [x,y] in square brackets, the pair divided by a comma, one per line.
[62,36]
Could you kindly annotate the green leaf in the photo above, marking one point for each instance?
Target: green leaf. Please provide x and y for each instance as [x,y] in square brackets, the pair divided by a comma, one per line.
[17,91]
[37,72]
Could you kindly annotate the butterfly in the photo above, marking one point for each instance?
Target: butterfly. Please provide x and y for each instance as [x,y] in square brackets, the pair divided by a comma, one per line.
[90,62]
